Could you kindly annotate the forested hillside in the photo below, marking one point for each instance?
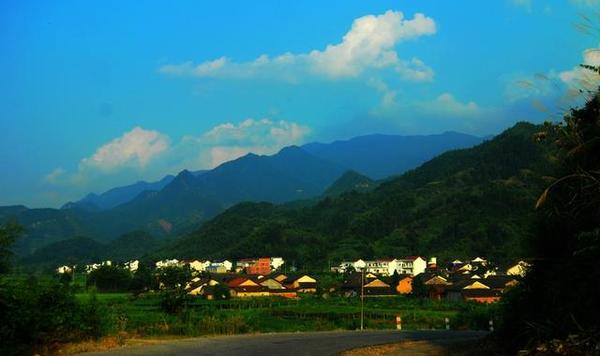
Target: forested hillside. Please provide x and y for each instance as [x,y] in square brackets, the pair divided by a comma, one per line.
[476,201]
[81,250]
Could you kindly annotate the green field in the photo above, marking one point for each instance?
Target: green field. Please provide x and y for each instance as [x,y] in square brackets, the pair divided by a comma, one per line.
[143,316]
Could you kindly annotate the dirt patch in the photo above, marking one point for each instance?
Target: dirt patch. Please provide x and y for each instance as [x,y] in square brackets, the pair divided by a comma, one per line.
[402,348]
[454,347]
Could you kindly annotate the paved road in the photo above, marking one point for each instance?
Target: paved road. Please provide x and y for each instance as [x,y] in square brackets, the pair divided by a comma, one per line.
[289,344]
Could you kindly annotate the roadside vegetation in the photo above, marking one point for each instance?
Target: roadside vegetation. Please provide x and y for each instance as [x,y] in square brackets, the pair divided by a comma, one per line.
[555,309]
[145,316]
[41,314]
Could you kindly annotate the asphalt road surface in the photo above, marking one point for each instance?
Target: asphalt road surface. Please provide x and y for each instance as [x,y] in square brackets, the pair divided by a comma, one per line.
[290,344]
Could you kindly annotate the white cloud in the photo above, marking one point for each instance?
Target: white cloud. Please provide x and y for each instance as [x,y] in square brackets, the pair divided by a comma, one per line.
[229,141]
[368,45]
[134,148]
[388,98]
[582,78]
[532,86]
[146,154]
[447,105]
[54,176]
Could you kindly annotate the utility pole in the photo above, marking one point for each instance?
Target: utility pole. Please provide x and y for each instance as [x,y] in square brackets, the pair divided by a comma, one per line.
[362,299]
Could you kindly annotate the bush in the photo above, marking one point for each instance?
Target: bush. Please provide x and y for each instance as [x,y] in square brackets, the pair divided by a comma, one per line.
[173,301]
[37,314]
[110,279]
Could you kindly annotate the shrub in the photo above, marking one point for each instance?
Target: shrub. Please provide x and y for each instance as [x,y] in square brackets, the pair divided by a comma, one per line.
[36,314]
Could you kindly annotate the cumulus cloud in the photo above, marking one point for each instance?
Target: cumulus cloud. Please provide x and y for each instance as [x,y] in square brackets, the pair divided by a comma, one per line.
[134,148]
[54,176]
[568,87]
[368,45]
[583,78]
[229,141]
[148,154]
[447,105]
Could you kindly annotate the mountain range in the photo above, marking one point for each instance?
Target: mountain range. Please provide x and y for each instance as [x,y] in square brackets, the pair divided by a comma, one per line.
[380,156]
[178,204]
[460,204]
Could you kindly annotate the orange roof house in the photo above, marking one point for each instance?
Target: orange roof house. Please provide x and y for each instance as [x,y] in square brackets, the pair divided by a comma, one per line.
[404,285]
[261,266]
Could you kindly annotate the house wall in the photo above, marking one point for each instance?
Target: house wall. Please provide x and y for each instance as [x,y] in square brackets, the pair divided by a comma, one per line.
[276,262]
[262,266]
[217,269]
[404,286]
[252,294]
[419,266]
[228,265]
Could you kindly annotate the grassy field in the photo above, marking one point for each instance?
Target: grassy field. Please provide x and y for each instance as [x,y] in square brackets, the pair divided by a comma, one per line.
[143,316]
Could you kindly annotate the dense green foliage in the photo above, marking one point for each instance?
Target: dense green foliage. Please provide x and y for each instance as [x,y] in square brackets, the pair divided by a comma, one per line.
[8,235]
[463,203]
[110,279]
[559,296]
[35,313]
[348,182]
[38,313]
[81,250]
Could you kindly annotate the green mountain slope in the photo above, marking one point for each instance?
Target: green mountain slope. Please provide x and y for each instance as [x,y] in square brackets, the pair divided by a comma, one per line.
[348,182]
[476,201]
[72,251]
[82,250]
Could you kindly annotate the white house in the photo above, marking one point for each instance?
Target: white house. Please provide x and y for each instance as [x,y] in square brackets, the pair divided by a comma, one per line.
[94,266]
[276,262]
[342,267]
[132,265]
[198,266]
[381,267]
[64,269]
[409,265]
[219,266]
[228,265]
[167,263]
[412,265]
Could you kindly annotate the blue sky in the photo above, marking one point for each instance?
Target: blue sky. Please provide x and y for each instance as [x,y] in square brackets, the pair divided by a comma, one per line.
[103,93]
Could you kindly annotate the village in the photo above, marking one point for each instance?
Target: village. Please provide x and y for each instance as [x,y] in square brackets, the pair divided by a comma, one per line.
[476,279]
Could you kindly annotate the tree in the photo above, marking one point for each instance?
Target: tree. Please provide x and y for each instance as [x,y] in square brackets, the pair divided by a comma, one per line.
[559,296]
[110,278]
[221,292]
[419,289]
[142,279]
[173,276]
[8,235]
[173,301]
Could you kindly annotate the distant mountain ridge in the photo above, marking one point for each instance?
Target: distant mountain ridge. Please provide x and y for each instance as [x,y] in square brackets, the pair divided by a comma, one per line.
[379,156]
[189,199]
[119,195]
